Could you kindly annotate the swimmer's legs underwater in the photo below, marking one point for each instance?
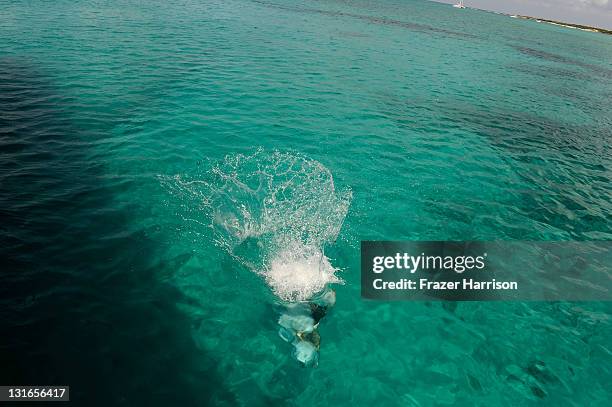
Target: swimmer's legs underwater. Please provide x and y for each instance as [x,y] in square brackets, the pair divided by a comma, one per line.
[299,324]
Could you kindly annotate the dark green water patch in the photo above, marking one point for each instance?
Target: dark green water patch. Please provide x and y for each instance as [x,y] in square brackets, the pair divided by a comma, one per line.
[79,300]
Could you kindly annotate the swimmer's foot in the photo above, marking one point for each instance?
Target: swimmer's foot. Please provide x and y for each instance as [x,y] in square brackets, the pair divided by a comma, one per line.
[312,337]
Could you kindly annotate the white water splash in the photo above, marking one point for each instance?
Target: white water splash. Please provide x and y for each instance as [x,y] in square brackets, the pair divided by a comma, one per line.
[298,273]
[275,213]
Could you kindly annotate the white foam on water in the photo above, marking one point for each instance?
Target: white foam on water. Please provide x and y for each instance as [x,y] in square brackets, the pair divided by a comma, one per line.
[298,273]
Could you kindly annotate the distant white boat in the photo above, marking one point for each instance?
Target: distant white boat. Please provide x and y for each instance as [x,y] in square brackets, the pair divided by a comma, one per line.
[459,5]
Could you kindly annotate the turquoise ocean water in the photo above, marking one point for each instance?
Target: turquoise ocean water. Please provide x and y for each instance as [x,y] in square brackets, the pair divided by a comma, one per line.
[157,157]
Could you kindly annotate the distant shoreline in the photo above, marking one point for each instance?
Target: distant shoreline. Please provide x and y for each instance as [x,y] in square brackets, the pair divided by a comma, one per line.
[562,24]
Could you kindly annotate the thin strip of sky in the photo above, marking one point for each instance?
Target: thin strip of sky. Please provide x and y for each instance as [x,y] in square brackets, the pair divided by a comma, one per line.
[596,13]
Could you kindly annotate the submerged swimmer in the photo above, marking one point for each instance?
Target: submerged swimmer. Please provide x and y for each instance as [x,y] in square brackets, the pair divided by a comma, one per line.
[317,313]
[299,326]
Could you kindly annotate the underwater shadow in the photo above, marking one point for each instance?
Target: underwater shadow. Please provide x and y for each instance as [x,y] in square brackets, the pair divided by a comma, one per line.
[80,304]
